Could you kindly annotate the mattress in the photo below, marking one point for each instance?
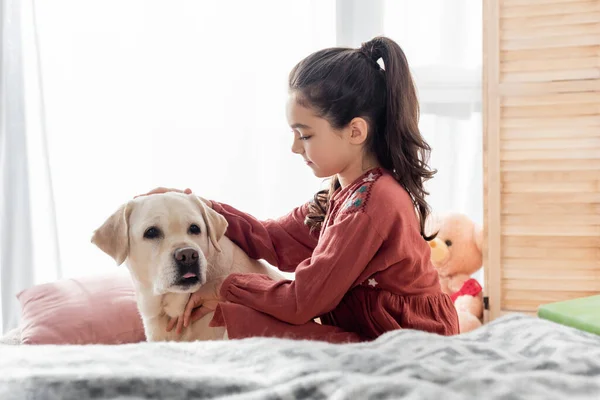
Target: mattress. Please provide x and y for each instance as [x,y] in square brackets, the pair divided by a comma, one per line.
[513,357]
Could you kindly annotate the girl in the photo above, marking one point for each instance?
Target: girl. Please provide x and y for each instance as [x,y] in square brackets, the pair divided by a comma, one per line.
[358,250]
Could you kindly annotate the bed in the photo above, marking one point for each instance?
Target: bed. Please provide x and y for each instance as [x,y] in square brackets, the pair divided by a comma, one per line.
[513,357]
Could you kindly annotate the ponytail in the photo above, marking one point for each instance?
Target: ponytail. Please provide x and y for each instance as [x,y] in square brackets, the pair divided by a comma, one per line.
[401,148]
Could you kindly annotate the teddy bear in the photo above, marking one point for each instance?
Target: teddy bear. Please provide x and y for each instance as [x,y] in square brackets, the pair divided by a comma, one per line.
[456,254]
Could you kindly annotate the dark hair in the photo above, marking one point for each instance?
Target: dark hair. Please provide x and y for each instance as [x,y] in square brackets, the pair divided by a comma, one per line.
[340,84]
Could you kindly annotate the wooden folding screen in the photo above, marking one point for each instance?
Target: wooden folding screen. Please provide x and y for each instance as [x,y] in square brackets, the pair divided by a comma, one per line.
[541,96]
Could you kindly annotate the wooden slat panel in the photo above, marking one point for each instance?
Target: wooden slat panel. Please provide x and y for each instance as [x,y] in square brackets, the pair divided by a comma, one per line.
[589,28]
[548,93]
[540,133]
[553,257]
[567,272]
[553,266]
[558,242]
[552,99]
[555,198]
[552,208]
[551,188]
[566,154]
[533,111]
[551,165]
[512,3]
[551,230]
[540,88]
[575,73]
[556,54]
[570,18]
[491,156]
[545,43]
[575,286]
[543,220]
[530,300]
[556,10]
[550,176]
[569,143]
[523,67]
[552,122]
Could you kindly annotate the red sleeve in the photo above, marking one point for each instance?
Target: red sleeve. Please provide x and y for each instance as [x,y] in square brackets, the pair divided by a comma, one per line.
[284,242]
[344,251]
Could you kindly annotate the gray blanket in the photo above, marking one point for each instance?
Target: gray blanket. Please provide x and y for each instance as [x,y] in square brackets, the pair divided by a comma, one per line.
[515,357]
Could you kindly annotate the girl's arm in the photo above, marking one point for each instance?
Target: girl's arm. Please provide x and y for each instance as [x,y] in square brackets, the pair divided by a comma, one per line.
[344,251]
[284,242]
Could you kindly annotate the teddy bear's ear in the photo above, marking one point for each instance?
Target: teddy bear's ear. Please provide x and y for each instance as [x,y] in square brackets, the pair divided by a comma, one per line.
[433,224]
[478,235]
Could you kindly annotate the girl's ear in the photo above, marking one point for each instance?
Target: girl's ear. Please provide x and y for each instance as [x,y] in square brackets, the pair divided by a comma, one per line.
[358,129]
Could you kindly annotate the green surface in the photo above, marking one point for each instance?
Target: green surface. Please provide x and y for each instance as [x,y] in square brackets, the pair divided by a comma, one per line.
[582,313]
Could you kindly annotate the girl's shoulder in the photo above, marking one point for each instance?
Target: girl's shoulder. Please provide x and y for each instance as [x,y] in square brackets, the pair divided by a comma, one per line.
[377,193]
[359,195]
[382,203]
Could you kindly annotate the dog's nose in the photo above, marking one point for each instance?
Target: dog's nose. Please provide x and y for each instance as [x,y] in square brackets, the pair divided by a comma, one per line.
[186,256]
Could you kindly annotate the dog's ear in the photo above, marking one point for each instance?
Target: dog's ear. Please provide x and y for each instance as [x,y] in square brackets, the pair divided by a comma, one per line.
[215,222]
[113,236]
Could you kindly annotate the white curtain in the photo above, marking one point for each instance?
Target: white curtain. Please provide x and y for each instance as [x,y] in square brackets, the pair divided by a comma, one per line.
[140,93]
[29,252]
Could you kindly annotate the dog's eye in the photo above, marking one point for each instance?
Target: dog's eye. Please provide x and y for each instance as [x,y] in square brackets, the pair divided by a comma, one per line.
[152,233]
[448,243]
[194,229]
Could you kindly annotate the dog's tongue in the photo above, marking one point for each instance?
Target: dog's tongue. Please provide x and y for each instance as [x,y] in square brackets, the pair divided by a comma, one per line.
[189,275]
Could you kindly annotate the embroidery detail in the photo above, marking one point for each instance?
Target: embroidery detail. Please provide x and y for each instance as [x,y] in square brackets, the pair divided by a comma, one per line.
[355,200]
[370,178]
[359,198]
[373,282]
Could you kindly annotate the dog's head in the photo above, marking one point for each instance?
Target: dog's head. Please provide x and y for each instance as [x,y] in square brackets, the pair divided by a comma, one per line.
[165,238]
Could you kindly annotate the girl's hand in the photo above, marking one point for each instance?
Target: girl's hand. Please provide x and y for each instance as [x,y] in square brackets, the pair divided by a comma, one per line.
[159,190]
[200,303]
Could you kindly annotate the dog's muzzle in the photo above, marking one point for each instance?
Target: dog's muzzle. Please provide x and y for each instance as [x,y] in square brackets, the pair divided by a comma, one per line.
[188,266]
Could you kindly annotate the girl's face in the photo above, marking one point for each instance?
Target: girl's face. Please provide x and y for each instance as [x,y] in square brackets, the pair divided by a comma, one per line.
[325,150]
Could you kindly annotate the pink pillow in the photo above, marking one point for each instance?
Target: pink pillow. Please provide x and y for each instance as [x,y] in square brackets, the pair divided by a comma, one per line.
[87,310]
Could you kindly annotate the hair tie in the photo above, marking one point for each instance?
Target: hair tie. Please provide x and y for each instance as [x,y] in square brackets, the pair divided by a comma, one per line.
[369,55]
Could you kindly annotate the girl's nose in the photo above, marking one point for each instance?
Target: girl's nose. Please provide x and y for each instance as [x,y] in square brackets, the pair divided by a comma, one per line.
[297,147]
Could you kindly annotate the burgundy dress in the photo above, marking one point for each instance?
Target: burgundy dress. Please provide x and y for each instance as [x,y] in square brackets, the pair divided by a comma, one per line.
[366,273]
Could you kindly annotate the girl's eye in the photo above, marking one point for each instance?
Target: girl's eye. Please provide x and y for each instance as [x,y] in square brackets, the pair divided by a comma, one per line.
[304,137]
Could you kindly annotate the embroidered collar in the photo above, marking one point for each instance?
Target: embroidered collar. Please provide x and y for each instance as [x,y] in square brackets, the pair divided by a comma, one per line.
[368,176]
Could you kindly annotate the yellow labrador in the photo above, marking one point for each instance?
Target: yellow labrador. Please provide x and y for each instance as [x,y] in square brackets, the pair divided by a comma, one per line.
[172,244]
